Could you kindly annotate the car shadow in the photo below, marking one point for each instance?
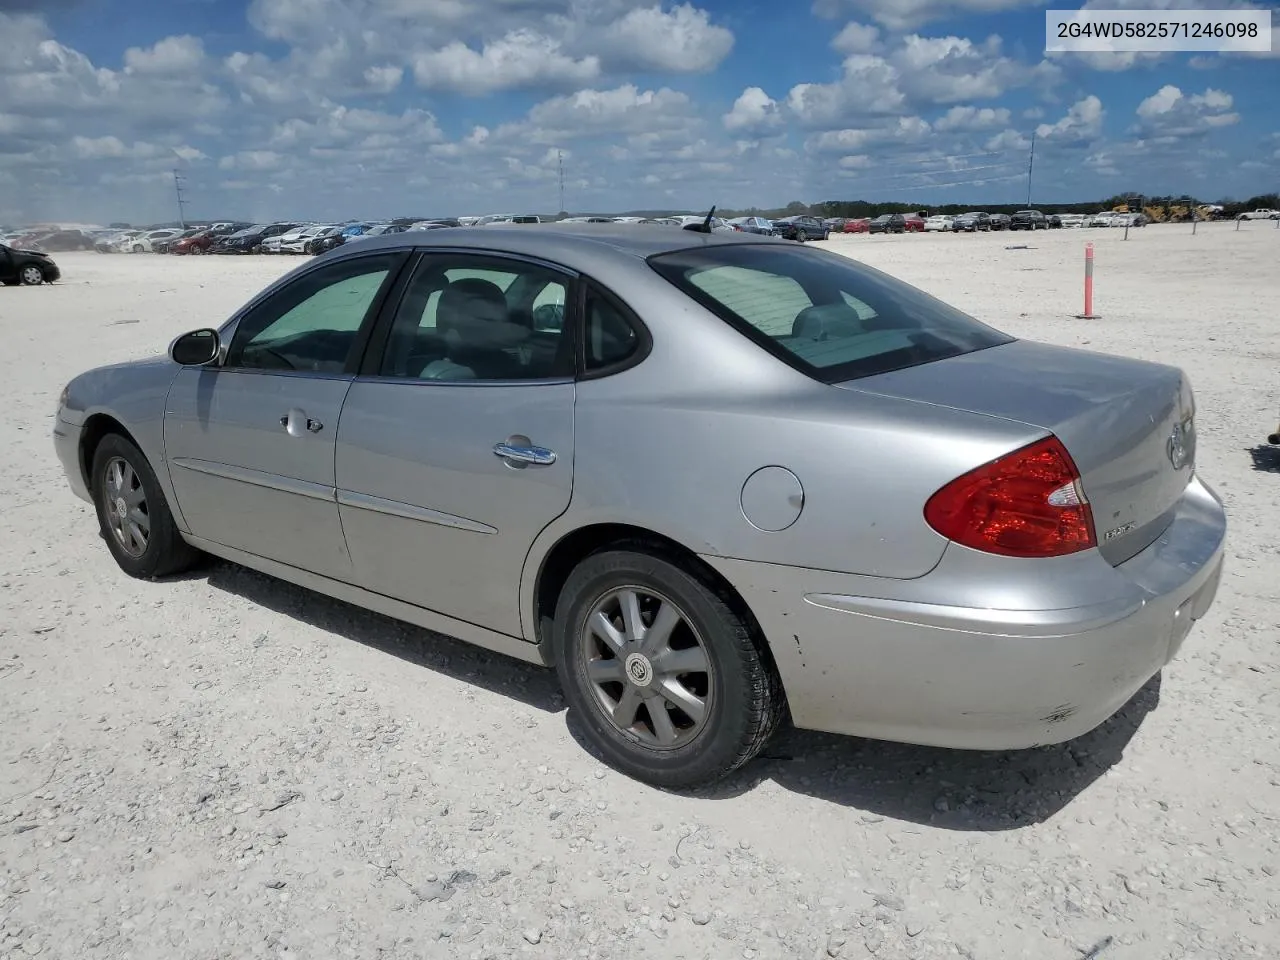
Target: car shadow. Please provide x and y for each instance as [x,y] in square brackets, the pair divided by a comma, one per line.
[1266,458]
[960,790]
[530,684]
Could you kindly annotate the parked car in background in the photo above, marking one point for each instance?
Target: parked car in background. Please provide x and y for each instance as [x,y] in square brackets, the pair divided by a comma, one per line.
[912,223]
[1028,220]
[205,240]
[888,223]
[145,243]
[28,268]
[166,244]
[801,228]
[1103,219]
[116,242]
[860,225]
[998,221]
[1071,221]
[939,223]
[64,241]
[249,240]
[1262,213]
[272,245]
[971,222]
[758,225]
[469,456]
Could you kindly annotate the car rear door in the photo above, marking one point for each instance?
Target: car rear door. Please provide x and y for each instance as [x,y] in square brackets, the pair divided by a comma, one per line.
[250,442]
[455,448]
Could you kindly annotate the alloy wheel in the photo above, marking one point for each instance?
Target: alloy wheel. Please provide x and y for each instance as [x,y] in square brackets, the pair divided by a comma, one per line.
[125,504]
[32,276]
[647,667]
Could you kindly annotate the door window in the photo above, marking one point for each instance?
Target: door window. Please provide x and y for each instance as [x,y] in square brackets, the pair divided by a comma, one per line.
[314,322]
[468,318]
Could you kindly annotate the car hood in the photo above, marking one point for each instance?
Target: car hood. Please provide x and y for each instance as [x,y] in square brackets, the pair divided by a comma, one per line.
[29,252]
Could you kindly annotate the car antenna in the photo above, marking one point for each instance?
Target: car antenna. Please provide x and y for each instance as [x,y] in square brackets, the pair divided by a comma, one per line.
[705,225]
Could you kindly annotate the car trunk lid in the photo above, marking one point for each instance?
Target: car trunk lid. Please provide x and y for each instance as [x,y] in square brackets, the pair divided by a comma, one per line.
[1128,424]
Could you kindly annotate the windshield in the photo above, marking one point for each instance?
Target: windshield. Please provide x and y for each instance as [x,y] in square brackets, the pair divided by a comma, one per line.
[824,314]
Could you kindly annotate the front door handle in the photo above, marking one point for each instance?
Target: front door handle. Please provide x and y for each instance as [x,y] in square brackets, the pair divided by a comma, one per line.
[295,420]
[524,454]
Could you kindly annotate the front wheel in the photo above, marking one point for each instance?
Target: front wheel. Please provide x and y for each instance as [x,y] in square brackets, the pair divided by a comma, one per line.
[31,276]
[133,515]
[665,676]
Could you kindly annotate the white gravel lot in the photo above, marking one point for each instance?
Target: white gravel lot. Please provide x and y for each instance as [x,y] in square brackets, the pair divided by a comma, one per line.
[226,766]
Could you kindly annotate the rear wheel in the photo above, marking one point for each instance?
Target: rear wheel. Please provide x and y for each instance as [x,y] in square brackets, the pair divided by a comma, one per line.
[666,678]
[133,515]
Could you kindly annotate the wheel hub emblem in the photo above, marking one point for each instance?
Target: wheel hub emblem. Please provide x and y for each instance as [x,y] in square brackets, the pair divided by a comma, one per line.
[639,670]
[122,508]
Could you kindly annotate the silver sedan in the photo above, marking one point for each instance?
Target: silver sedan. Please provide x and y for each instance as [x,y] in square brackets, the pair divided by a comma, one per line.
[710,478]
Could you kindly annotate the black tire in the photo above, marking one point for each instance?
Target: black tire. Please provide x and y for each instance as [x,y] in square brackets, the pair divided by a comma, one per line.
[746,701]
[166,553]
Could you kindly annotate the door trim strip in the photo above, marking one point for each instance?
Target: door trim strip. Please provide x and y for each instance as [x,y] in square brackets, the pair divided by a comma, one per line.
[409,511]
[257,478]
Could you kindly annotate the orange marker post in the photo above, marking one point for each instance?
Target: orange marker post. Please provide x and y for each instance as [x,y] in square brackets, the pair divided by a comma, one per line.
[1088,285]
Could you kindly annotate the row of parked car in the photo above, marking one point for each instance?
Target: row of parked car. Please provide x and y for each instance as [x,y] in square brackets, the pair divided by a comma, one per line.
[980,222]
[298,237]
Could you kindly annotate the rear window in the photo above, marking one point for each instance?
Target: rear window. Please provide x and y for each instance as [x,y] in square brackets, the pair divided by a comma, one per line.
[824,314]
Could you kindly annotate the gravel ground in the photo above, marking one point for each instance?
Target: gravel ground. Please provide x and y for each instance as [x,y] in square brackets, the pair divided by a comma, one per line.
[227,766]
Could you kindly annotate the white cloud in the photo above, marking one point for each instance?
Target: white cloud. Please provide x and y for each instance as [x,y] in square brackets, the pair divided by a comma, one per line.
[681,40]
[856,38]
[754,110]
[172,55]
[593,112]
[916,73]
[910,14]
[904,130]
[522,58]
[1170,114]
[972,118]
[1082,123]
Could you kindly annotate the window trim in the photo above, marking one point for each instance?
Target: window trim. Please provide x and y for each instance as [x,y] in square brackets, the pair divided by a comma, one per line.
[227,332]
[369,365]
[644,347]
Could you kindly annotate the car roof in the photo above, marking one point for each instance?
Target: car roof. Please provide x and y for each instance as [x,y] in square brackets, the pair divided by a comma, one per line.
[570,242]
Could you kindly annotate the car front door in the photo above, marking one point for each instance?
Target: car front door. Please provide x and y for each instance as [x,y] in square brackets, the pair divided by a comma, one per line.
[250,441]
[8,271]
[455,448]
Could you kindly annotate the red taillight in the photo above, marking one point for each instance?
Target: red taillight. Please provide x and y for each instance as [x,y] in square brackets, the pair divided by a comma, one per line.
[1025,504]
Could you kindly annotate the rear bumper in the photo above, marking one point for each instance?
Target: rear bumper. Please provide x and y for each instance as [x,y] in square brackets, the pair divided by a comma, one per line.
[953,674]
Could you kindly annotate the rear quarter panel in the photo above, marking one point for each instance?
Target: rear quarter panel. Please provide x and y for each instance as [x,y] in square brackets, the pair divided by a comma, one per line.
[669,444]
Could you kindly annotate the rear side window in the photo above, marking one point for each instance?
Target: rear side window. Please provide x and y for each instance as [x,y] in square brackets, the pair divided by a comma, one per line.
[826,315]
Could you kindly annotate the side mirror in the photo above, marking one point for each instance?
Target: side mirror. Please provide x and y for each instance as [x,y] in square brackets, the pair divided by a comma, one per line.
[196,348]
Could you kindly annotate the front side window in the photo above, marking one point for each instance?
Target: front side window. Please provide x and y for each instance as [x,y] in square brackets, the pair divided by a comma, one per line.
[827,315]
[313,323]
[471,318]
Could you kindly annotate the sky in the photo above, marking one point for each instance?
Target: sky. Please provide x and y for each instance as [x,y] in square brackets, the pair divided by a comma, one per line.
[334,109]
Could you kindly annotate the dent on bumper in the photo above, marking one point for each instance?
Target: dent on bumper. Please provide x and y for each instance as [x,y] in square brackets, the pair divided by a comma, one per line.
[983,678]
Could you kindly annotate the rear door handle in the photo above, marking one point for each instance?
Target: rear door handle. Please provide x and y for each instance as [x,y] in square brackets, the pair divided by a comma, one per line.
[522,455]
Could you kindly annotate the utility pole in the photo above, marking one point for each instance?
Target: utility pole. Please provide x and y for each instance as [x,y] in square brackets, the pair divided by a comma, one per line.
[178,180]
[1031,163]
[560,163]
